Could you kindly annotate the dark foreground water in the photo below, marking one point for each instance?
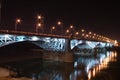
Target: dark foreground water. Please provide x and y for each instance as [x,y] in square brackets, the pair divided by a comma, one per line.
[106,66]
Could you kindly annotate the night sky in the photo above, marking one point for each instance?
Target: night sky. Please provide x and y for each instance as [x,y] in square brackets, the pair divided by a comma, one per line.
[101,17]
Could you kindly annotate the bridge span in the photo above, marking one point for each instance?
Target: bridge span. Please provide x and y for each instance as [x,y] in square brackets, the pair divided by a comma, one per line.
[60,43]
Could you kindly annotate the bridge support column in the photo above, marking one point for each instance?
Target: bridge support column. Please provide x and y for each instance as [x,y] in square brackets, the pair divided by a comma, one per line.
[68,56]
[67,45]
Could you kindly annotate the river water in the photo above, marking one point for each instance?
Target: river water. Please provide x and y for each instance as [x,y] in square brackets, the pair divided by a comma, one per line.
[106,66]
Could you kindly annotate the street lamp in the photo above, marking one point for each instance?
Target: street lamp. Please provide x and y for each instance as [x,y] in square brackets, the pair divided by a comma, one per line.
[90,34]
[72,30]
[60,24]
[76,34]
[39,17]
[38,26]
[16,23]
[53,28]
[67,31]
[82,30]
[71,26]
[40,23]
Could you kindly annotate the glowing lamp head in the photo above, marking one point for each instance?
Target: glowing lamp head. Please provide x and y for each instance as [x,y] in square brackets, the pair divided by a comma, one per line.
[67,31]
[90,32]
[18,21]
[59,23]
[53,27]
[39,17]
[82,30]
[39,24]
[77,33]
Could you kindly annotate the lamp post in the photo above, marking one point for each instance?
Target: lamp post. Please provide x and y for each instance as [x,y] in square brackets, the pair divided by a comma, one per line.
[61,25]
[72,30]
[16,23]
[39,23]
[71,26]
[67,32]
[37,27]
[76,34]
[52,28]
[82,33]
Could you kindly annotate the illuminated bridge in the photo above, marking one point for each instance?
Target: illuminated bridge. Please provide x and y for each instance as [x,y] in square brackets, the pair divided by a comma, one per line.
[55,42]
[52,42]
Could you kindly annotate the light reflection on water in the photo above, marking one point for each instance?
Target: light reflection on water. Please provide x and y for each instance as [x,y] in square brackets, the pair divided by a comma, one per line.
[111,57]
[83,68]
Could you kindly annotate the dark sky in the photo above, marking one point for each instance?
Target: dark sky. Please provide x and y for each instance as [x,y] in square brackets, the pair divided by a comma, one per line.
[102,17]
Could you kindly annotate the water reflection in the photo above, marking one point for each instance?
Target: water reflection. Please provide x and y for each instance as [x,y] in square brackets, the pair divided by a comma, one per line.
[83,68]
[111,57]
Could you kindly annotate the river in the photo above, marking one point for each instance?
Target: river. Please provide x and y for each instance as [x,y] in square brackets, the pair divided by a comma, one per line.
[106,66]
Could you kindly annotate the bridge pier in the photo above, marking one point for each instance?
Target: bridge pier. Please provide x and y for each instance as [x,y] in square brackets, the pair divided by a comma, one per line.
[67,45]
[68,57]
[64,54]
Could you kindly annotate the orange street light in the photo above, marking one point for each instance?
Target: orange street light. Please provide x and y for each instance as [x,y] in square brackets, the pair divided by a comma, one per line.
[39,17]
[39,25]
[71,27]
[53,28]
[16,23]
[67,31]
[76,33]
[60,24]
[82,30]
[90,32]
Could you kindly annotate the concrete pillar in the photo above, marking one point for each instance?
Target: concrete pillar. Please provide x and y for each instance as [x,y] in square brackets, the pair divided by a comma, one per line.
[67,45]
[68,56]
